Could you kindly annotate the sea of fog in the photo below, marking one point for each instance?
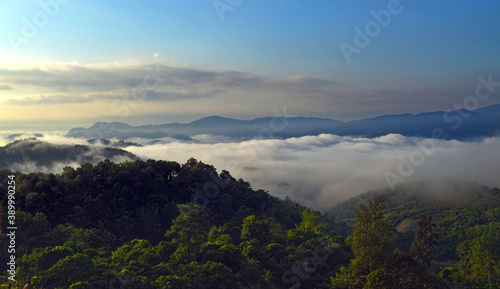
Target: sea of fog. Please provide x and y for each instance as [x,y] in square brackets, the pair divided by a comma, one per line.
[321,171]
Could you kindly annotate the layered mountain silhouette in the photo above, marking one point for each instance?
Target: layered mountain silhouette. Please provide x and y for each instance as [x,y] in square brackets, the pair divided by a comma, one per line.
[214,125]
[459,124]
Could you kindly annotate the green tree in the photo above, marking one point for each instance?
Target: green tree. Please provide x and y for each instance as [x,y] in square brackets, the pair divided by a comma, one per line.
[451,275]
[480,260]
[189,230]
[39,260]
[425,241]
[371,242]
[210,275]
[402,271]
[311,220]
[138,256]
[265,230]
[173,282]
[67,271]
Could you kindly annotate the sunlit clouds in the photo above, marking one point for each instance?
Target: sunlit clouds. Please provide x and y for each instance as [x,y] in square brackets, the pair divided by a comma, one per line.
[121,90]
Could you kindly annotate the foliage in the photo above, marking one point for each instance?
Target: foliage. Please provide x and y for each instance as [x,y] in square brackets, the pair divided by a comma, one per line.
[371,240]
[480,259]
[154,224]
[425,240]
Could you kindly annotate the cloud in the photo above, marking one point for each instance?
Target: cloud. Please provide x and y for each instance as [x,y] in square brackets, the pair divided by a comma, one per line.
[180,95]
[119,75]
[5,87]
[321,171]
[157,55]
[303,81]
[122,91]
[117,95]
[37,99]
[165,85]
[75,75]
[161,81]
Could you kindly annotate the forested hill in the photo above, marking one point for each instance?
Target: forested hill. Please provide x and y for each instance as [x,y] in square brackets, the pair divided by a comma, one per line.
[96,213]
[466,218]
[34,155]
[413,200]
[160,224]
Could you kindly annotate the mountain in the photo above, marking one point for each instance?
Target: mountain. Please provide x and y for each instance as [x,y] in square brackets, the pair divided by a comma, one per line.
[114,125]
[459,125]
[118,144]
[489,110]
[216,121]
[214,125]
[34,155]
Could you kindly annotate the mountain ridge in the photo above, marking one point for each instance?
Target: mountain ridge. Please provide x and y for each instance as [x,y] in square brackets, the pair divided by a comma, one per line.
[459,124]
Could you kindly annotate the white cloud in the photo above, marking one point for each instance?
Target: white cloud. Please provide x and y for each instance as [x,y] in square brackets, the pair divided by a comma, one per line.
[320,171]
[165,80]
[166,86]
[157,55]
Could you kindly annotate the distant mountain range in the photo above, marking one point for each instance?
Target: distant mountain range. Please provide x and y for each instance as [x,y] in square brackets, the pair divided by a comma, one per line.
[214,125]
[459,124]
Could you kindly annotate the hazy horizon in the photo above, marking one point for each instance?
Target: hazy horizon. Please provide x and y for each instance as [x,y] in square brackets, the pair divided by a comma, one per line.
[61,129]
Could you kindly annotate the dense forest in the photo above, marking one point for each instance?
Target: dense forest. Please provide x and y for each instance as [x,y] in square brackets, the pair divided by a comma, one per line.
[160,224]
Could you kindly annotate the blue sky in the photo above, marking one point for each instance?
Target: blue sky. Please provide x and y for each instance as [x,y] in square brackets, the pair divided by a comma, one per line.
[427,57]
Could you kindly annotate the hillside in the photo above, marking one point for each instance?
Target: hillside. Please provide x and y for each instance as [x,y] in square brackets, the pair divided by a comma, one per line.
[461,211]
[160,224]
[125,223]
[33,155]
[428,199]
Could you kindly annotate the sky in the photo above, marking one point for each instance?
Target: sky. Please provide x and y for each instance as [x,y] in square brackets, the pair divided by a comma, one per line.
[68,63]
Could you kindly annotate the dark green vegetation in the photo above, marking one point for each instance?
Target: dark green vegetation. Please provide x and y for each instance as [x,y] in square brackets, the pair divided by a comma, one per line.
[453,234]
[159,224]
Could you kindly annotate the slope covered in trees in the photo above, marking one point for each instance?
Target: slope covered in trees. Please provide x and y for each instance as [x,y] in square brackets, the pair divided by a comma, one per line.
[455,233]
[160,224]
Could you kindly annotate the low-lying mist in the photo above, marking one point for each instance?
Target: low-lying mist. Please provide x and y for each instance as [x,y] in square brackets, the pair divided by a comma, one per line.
[321,171]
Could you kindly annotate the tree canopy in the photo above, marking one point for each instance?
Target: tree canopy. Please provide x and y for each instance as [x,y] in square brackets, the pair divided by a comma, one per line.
[159,224]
